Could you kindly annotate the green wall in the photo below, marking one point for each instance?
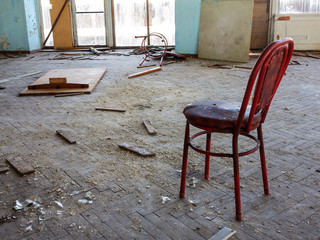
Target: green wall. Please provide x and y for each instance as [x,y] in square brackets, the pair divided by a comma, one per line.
[187,25]
[19,25]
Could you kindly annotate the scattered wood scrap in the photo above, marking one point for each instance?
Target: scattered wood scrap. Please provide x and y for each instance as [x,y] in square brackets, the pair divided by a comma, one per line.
[151,65]
[136,150]
[170,62]
[217,65]
[254,55]
[95,51]
[4,170]
[243,67]
[66,136]
[313,56]
[75,54]
[145,72]
[21,76]
[294,62]
[20,165]
[110,109]
[148,125]
[224,234]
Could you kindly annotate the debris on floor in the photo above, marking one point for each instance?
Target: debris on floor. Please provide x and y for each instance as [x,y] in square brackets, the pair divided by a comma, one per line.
[165,199]
[136,150]
[89,195]
[150,128]
[20,165]
[217,65]
[66,136]
[145,72]
[243,67]
[18,77]
[110,109]
[224,234]
[1,88]
[254,55]
[4,170]
[294,62]
[32,202]
[84,201]
[193,182]
[145,66]
[95,51]
[169,62]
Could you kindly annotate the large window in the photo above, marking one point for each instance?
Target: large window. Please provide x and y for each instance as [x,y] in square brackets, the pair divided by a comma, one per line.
[140,17]
[90,22]
[299,6]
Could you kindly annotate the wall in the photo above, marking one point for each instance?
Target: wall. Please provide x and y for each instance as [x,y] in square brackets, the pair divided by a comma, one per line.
[187,19]
[18,31]
[33,23]
[302,28]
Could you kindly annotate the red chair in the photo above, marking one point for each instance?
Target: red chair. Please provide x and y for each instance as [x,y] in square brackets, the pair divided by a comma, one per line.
[224,117]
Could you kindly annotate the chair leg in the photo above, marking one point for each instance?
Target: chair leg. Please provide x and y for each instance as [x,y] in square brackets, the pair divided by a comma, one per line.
[263,162]
[184,161]
[207,164]
[236,176]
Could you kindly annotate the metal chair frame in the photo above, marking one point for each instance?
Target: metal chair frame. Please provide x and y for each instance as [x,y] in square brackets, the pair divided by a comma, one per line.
[265,76]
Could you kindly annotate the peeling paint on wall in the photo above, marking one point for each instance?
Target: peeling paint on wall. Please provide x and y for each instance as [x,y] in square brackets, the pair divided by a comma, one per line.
[4,42]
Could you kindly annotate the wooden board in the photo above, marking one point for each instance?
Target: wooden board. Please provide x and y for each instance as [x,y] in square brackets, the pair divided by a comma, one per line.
[20,165]
[225,30]
[66,136]
[89,76]
[136,150]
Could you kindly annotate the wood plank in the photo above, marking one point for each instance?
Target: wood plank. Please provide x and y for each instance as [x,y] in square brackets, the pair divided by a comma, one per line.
[225,30]
[224,234]
[110,109]
[4,169]
[150,128]
[20,165]
[136,150]
[144,66]
[90,76]
[145,72]
[66,136]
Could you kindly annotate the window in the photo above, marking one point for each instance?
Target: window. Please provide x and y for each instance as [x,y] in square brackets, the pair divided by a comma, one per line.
[90,22]
[299,6]
[131,19]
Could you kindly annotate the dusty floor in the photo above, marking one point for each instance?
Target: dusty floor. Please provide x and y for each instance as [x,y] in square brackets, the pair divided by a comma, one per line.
[127,188]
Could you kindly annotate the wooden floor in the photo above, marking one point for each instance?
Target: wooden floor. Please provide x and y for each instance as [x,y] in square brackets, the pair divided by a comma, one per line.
[95,190]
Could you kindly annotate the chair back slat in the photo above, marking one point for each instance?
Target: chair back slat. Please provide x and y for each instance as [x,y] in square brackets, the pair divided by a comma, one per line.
[265,78]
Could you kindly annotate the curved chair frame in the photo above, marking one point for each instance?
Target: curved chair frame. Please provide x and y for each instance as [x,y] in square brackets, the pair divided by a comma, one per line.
[265,76]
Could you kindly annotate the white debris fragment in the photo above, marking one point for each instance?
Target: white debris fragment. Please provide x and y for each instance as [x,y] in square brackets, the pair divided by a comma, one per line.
[165,199]
[59,204]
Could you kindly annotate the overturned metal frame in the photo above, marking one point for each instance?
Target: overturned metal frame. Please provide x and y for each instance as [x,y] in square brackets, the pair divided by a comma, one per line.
[147,52]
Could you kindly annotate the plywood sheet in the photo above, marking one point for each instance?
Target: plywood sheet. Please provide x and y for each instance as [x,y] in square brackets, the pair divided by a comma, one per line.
[225,30]
[90,76]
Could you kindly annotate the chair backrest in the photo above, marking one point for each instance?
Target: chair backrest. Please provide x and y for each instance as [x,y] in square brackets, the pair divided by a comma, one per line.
[265,76]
